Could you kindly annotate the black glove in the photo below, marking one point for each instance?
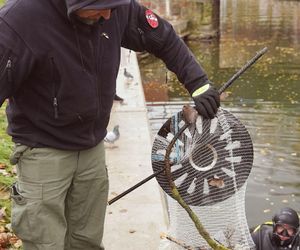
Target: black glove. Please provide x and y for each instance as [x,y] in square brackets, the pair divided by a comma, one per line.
[207,101]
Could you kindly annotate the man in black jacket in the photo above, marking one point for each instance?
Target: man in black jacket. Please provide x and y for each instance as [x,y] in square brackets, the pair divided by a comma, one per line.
[281,234]
[59,63]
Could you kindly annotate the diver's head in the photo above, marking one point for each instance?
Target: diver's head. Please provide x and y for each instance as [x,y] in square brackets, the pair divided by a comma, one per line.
[285,226]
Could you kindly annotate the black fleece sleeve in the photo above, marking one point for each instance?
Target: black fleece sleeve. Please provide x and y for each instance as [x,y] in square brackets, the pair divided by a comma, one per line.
[164,43]
[16,60]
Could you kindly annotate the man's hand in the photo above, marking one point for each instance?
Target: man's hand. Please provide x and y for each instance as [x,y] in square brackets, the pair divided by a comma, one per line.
[207,101]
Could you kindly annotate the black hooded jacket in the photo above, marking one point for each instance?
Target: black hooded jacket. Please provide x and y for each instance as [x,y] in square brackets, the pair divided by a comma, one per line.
[59,74]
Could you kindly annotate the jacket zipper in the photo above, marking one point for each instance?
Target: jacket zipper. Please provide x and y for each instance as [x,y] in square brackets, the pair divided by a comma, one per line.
[98,55]
[95,50]
[55,105]
[9,70]
[55,101]
[142,34]
[99,66]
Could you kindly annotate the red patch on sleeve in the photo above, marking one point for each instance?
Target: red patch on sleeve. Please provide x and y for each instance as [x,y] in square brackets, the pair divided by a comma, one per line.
[151,19]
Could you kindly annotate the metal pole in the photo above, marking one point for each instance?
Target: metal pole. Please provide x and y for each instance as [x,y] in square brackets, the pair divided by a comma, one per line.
[258,55]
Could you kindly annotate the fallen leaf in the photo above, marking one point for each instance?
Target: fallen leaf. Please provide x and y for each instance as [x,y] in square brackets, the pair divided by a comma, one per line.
[4,172]
[13,240]
[224,95]
[4,239]
[263,151]
[2,213]
[18,244]
[216,182]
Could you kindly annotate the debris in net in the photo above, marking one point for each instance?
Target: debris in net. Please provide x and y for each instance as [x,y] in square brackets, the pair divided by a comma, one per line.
[216,182]
[190,114]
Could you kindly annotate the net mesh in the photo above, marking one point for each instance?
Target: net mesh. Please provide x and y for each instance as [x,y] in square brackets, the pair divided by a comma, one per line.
[211,162]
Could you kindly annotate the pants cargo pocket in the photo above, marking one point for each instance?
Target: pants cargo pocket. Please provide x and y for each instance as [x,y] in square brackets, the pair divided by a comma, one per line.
[26,209]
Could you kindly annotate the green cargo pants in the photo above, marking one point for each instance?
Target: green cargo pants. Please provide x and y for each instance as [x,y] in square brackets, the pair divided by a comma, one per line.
[60,197]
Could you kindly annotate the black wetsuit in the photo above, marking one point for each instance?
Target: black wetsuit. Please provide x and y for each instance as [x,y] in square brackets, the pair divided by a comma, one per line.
[263,239]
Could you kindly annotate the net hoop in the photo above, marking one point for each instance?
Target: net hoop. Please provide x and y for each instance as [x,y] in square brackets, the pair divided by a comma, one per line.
[211,160]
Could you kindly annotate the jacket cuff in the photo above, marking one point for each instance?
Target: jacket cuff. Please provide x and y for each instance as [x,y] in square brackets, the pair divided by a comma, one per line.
[192,87]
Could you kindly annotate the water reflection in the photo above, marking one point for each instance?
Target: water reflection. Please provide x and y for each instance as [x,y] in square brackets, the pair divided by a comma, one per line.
[266,98]
[275,179]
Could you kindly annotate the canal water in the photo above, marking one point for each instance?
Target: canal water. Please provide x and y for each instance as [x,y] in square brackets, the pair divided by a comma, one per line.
[266,98]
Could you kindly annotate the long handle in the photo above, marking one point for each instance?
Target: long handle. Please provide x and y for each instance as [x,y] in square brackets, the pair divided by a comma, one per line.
[221,90]
[135,186]
[258,55]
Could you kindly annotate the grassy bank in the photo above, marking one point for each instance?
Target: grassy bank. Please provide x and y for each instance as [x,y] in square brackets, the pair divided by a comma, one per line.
[7,177]
[6,145]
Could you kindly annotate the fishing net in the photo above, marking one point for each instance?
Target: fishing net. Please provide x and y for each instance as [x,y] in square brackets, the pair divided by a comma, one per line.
[211,162]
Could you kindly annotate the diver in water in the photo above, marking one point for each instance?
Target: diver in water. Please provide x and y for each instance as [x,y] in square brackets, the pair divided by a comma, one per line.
[282,233]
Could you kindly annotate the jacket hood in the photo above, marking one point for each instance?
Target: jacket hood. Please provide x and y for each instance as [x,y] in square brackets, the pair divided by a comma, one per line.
[73,5]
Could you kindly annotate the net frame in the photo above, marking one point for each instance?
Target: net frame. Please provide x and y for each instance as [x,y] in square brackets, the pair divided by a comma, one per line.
[219,178]
[211,160]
